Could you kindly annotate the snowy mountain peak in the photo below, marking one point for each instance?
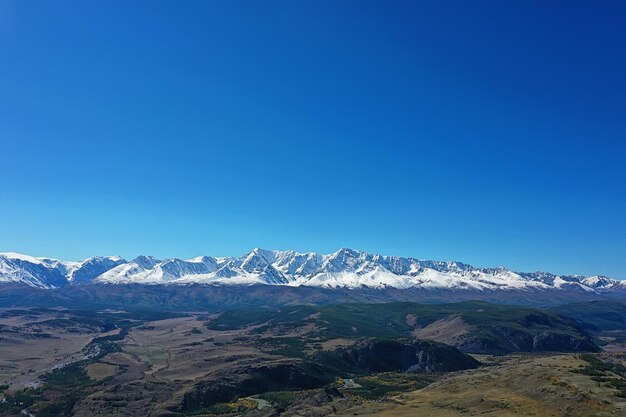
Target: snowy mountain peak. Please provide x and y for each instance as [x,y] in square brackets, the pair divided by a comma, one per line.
[146,261]
[258,259]
[92,268]
[21,257]
[598,281]
[345,268]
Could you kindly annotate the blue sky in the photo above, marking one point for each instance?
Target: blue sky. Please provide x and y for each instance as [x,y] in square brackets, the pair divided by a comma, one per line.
[492,133]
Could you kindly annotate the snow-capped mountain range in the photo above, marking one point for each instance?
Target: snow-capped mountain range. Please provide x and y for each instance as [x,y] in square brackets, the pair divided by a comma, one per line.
[346,268]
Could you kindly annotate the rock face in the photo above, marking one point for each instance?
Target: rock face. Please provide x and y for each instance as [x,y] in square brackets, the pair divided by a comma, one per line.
[502,340]
[376,355]
[547,341]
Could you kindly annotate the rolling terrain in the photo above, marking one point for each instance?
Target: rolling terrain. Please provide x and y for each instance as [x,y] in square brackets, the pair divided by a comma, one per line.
[338,359]
[474,327]
[546,386]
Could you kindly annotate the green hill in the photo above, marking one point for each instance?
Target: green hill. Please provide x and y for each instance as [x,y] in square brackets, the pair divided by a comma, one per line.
[483,327]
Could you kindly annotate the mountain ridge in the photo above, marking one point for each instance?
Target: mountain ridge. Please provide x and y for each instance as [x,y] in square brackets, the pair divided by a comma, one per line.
[345,268]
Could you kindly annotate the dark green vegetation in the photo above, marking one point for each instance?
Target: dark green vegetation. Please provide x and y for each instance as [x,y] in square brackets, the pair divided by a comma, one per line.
[377,386]
[14,403]
[596,315]
[287,346]
[62,388]
[495,329]
[97,320]
[69,377]
[281,400]
[609,373]
[67,384]
[294,376]
[374,387]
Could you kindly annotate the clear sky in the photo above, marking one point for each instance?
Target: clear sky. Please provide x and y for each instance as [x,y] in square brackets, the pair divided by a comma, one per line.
[492,133]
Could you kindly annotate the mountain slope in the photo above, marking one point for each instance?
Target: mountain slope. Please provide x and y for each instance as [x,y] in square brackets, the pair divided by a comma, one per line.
[480,327]
[35,272]
[52,273]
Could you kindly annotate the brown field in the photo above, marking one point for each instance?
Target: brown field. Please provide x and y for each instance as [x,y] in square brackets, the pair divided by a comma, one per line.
[445,330]
[29,347]
[163,360]
[100,371]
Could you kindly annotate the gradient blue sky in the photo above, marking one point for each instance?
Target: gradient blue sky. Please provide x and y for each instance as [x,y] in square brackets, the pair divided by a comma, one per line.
[488,132]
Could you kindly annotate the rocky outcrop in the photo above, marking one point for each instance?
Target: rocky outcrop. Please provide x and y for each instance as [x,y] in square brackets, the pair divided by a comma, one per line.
[376,355]
[502,340]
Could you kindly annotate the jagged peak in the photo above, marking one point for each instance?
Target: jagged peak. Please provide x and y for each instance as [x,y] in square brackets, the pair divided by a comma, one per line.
[345,267]
[345,251]
[146,261]
[113,258]
[267,254]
